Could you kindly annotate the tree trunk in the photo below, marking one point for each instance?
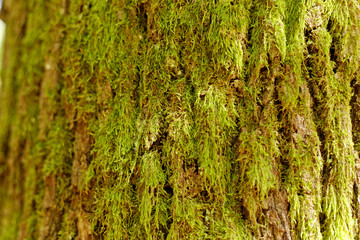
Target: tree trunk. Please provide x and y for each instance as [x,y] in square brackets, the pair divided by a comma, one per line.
[190,119]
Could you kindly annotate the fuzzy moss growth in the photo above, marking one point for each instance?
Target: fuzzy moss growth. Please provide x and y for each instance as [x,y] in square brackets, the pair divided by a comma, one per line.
[181,119]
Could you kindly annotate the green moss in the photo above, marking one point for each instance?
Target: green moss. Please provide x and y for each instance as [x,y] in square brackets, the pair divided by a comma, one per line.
[300,145]
[333,74]
[179,120]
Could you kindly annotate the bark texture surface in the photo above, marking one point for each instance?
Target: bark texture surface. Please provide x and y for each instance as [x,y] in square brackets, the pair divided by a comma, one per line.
[189,119]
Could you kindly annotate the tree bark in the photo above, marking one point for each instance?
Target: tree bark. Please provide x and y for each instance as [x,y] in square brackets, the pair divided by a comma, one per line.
[190,119]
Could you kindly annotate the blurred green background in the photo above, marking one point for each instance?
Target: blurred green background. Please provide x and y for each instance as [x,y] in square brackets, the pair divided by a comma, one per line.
[2,38]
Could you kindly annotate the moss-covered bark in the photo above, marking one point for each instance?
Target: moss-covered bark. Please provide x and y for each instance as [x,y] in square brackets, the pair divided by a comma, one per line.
[159,119]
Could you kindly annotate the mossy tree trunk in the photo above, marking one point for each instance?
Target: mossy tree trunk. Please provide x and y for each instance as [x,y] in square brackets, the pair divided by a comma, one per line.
[189,119]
